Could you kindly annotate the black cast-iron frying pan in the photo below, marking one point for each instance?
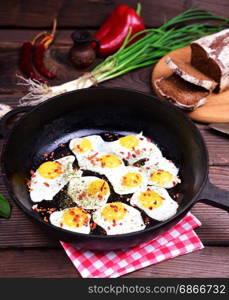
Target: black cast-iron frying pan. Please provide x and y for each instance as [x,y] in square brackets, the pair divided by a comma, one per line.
[98,110]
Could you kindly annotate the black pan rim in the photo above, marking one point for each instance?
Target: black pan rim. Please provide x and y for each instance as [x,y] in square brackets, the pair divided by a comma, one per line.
[71,234]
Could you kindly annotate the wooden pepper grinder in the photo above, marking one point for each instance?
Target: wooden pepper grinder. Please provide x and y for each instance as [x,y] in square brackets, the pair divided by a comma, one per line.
[83,52]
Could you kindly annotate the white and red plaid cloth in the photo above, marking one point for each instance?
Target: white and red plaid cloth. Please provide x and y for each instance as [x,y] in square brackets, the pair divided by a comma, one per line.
[180,239]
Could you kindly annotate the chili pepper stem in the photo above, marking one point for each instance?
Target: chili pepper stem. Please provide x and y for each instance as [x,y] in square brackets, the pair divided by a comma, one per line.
[139,8]
[38,36]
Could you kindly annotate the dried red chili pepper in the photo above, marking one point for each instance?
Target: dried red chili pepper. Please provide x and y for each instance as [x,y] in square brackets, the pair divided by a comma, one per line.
[39,53]
[113,32]
[26,60]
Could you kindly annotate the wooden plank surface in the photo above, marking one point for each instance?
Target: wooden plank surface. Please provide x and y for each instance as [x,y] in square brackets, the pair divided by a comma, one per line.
[71,13]
[54,263]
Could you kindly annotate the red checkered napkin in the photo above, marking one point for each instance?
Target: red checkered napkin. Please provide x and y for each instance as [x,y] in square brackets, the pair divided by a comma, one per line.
[181,239]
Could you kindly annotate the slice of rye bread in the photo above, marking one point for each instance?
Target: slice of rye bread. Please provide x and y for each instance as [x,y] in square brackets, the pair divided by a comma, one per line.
[210,55]
[190,74]
[182,93]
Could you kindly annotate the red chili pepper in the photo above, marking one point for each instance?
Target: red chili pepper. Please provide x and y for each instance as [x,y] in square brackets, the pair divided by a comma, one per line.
[26,60]
[113,32]
[39,53]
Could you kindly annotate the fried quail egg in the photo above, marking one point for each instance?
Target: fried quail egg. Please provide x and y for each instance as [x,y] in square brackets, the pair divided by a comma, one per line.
[128,180]
[89,192]
[86,146]
[162,174]
[133,148]
[155,202]
[118,218]
[50,178]
[73,219]
[108,164]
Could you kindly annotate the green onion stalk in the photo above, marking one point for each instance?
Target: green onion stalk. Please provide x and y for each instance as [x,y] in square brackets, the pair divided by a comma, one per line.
[153,44]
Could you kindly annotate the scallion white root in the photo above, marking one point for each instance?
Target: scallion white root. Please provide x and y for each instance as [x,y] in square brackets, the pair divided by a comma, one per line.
[4,109]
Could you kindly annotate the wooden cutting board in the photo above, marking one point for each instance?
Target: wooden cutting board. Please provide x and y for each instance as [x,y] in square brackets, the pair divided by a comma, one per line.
[216,109]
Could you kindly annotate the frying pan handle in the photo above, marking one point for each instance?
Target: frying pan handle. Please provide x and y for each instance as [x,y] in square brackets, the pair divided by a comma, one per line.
[3,122]
[221,197]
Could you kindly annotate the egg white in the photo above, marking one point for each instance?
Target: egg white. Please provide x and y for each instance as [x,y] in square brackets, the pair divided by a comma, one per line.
[77,190]
[44,188]
[165,211]
[131,222]
[56,218]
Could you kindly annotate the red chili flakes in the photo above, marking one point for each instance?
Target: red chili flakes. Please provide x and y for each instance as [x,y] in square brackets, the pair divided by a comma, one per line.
[93,226]
[121,153]
[128,155]
[100,197]
[92,156]
[149,140]
[176,196]
[28,182]
[36,209]
[51,210]
[147,221]
[61,224]
[81,195]
[141,139]
[138,152]
[46,184]
[103,185]
[51,155]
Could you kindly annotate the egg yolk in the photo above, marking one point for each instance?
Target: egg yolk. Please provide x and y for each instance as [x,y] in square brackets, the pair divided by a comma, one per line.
[150,199]
[129,141]
[50,169]
[161,177]
[110,161]
[75,217]
[98,187]
[131,179]
[83,146]
[114,211]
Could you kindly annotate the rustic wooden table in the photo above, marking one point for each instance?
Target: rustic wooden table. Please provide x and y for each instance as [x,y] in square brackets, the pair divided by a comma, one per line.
[27,251]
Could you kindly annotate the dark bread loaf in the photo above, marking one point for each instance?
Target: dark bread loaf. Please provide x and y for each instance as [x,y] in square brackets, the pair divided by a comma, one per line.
[182,93]
[210,55]
[190,74]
